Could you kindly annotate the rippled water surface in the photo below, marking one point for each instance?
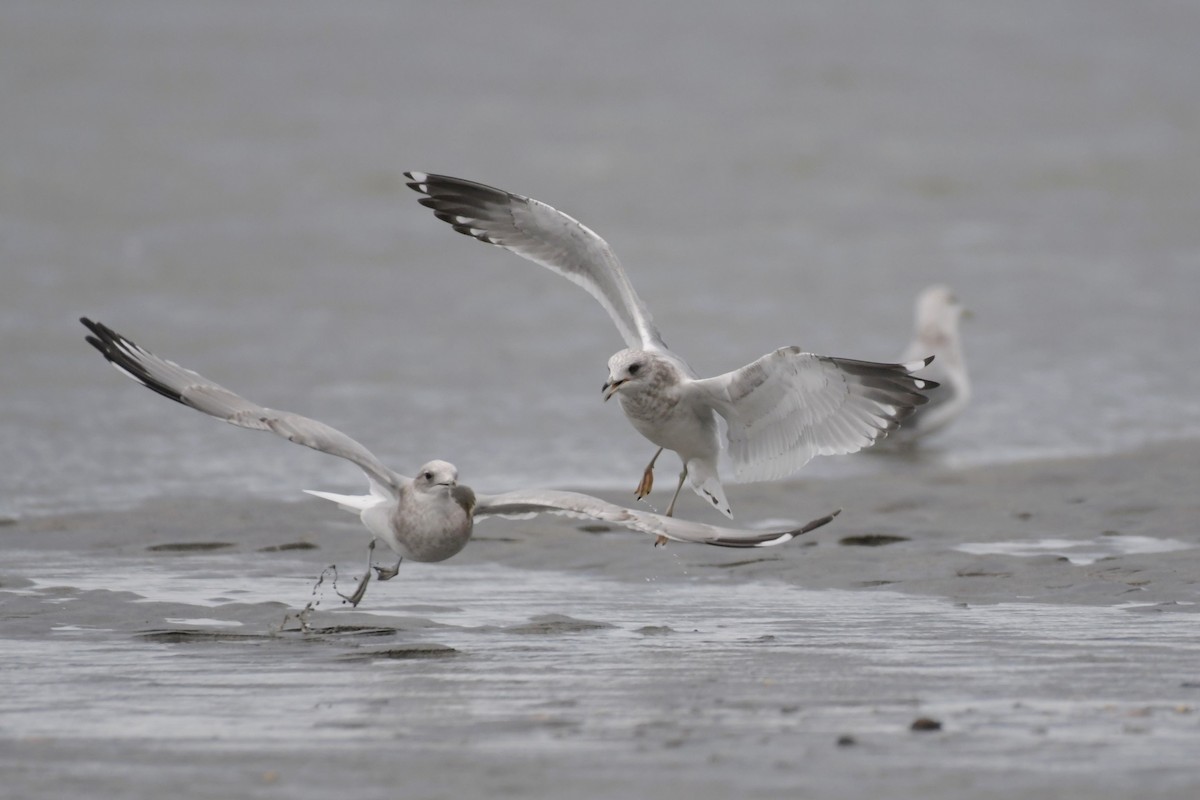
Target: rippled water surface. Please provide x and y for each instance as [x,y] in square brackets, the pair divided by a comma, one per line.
[502,658]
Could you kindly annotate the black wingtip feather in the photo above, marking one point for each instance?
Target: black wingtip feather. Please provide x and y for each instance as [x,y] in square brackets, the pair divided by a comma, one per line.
[441,188]
[114,347]
[892,384]
[817,523]
[770,538]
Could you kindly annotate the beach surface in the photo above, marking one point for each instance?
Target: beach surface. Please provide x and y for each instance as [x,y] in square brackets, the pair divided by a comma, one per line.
[223,184]
[1035,623]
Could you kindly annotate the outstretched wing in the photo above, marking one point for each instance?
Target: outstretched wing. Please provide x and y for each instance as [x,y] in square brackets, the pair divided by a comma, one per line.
[545,236]
[195,391]
[789,406]
[525,503]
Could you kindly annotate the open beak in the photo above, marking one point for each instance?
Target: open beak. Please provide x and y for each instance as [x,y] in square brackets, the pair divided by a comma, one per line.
[610,388]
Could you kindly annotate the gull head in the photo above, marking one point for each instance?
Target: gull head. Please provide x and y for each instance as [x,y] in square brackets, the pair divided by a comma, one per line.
[938,313]
[628,369]
[435,475]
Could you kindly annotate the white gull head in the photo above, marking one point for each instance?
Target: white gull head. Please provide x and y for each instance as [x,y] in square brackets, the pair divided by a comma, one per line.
[938,313]
[436,475]
[631,370]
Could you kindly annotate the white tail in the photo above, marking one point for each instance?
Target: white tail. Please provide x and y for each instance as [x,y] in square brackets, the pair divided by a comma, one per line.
[705,483]
[356,503]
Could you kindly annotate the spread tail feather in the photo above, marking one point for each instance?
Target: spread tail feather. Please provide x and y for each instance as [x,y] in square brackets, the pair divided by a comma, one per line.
[707,484]
[356,503]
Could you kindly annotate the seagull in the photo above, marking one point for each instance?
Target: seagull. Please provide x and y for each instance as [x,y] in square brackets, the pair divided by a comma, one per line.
[780,410]
[427,518]
[938,313]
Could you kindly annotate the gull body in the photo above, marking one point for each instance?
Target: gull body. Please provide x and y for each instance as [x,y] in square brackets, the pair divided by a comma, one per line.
[428,518]
[653,392]
[937,316]
[780,410]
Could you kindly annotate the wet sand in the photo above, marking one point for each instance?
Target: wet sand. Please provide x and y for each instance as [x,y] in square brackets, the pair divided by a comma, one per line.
[1039,614]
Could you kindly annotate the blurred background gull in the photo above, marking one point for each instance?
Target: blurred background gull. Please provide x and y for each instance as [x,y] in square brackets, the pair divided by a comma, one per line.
[936,333]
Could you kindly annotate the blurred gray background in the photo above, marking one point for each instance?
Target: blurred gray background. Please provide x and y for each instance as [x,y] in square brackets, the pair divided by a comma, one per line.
[222,183]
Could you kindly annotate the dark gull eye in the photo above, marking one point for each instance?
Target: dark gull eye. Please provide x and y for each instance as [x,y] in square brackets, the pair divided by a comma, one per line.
[633,368]
[428,476]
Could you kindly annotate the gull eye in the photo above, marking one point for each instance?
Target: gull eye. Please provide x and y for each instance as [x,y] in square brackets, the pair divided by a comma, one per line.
[633,368]
[428,476]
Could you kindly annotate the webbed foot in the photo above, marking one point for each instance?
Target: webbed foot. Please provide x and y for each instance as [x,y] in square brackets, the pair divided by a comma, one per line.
[387,573]
[647,482]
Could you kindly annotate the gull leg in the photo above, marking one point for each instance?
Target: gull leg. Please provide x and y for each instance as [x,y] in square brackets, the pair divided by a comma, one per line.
[387,573]
[682,478]
[661,540]
[647,482]
[355,597]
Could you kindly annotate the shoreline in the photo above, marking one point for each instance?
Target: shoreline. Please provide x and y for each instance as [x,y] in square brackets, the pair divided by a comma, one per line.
[146,650]
[936,531]
[904,529]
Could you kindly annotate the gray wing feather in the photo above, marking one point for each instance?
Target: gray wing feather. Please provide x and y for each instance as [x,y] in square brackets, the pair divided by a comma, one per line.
[195,391]
[946,402]
[522,504]
[545,236]
[939,398]
[789,406]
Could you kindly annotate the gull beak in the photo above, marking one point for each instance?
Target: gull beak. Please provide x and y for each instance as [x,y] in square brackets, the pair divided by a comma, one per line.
[610,388]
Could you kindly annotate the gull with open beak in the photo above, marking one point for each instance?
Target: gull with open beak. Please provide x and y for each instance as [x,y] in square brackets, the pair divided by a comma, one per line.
[781,409]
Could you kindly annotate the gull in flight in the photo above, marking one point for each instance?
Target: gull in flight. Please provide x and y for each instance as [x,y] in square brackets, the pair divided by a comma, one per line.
[781,410]
[426,518]
[938,314]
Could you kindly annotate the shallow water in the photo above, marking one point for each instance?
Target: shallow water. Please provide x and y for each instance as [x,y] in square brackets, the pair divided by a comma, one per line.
[224,185]
[499,660]
[1078,552]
